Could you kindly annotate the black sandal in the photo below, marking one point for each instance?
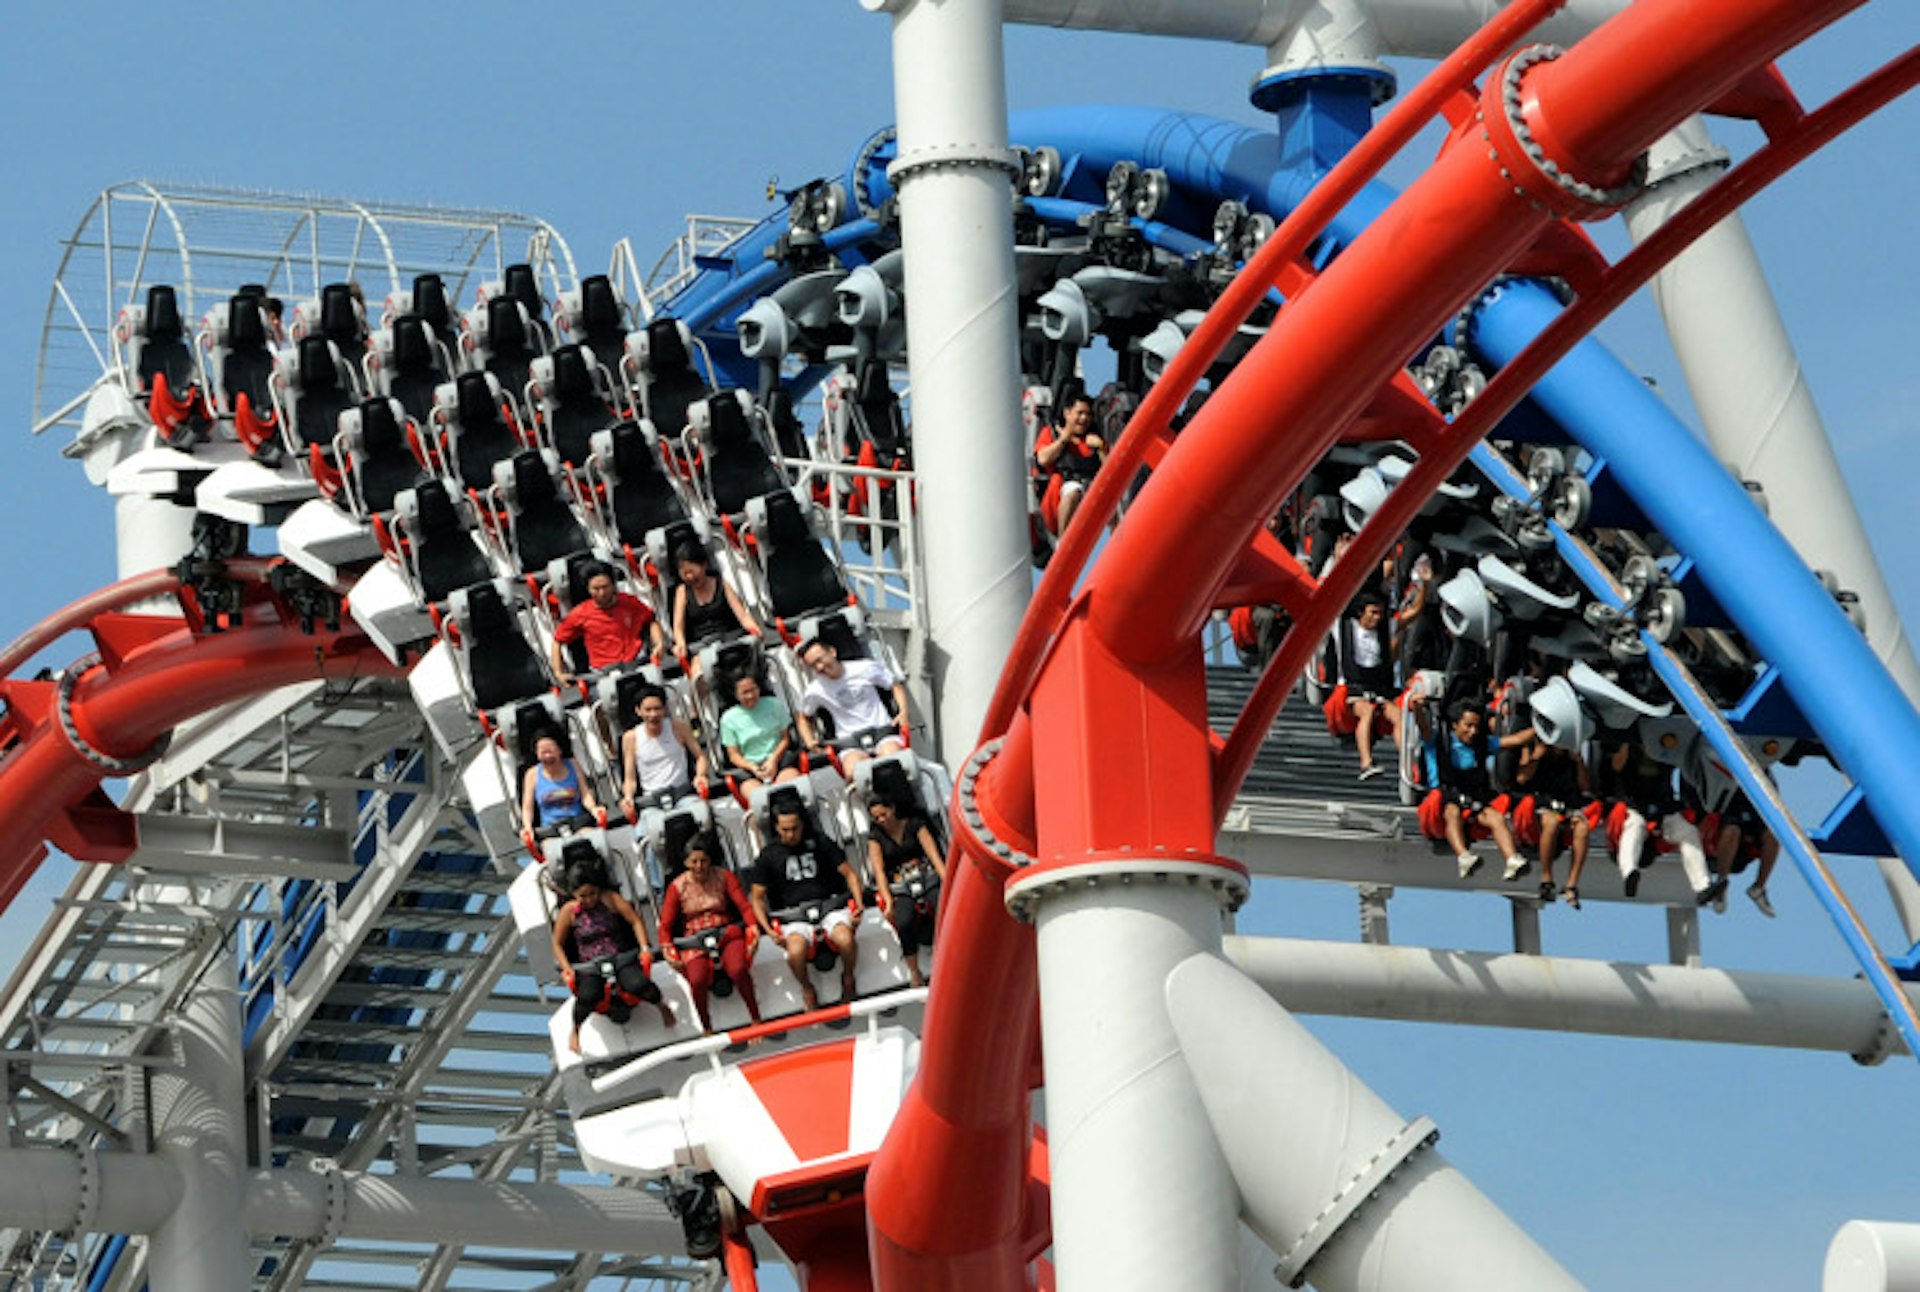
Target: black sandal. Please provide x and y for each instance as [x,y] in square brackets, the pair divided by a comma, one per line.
[1572,898]
[1546,890]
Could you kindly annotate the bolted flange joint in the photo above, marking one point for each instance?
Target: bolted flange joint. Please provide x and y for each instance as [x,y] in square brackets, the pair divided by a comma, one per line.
[1224,878]
[1523,161]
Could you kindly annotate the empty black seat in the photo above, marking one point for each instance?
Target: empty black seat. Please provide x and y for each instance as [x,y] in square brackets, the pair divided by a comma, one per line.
[322,394]
[801,578]
[416,366]
[511,348]
[670,385]
[737,463]
[341,320]
[500,665]
[575,409]
[246,363]
[640,495]
[520,283]
[164,349]
[602,325]
[479,434]
[544,527]
[382,463]
[877,409]
[435,307]
[445,557]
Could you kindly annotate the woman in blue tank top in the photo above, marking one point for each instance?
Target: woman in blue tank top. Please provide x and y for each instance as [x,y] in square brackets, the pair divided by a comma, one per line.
[553,792]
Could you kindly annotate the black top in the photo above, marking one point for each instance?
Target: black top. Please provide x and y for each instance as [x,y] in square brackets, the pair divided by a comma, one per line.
[707,620]
[903,855]
[809,872]
[1374,679]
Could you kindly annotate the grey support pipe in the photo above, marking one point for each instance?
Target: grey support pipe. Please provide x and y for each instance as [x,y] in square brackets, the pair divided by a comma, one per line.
[1598,997]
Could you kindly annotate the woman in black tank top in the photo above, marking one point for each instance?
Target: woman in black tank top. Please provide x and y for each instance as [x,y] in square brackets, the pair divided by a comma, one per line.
[704,607]
[902,851]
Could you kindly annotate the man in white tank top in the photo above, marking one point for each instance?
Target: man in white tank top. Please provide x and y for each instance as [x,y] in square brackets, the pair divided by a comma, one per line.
[654,754]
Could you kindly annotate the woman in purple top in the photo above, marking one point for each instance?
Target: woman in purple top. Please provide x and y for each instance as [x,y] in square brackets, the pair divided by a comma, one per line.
[597,927]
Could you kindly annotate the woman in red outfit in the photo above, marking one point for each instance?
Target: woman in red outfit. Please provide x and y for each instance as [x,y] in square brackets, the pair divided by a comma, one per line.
[704,898]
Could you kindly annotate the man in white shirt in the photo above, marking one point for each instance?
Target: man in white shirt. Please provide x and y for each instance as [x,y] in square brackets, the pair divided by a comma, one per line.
[848,692]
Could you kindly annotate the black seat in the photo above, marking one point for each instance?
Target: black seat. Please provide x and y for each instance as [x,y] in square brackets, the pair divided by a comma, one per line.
[520,283]
[417,368]
[444,554]
[384,465]
[435,307]
[544,528]
[838,632]
[738,466]
[246,369]
[577,409]
[603,324]
[341,321]
[164,349]
[640,495]
[322,395]
[480,433]
[672,386]
[510,345]
[500,664]
[878,410]
[801,578]
[788,433]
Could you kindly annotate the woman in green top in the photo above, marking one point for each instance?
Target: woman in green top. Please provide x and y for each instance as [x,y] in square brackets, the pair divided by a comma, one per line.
[757,735]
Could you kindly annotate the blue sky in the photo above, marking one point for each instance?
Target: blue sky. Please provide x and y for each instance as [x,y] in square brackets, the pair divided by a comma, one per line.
[1641,1165]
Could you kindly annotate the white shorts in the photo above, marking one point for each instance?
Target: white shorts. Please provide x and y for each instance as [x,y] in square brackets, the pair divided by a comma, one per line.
[839,917]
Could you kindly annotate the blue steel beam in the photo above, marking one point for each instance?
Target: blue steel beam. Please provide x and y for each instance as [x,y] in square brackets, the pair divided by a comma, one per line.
[1733,752]
[1827,666]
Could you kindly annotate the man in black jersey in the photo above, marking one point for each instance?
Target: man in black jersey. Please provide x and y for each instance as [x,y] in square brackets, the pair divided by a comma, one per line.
[800,869]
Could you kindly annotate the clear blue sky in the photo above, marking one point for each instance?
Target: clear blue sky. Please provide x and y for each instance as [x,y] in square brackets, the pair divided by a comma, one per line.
[1641,1165]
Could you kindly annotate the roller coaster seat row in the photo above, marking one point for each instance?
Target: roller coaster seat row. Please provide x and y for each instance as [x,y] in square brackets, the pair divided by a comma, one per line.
[456,476]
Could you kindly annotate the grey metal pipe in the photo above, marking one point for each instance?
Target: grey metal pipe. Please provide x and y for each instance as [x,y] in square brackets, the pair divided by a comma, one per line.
[1598,997]
[64,1189]
[390,1208]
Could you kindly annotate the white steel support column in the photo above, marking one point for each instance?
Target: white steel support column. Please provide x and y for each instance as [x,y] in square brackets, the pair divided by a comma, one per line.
[1751,391]
[199,1117]
[954,178]
[1348,1192]
[1142,1196]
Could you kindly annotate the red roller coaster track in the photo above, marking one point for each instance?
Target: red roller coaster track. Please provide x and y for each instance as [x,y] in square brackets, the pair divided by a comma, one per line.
[151,672]
[953,1199]
[1118,667]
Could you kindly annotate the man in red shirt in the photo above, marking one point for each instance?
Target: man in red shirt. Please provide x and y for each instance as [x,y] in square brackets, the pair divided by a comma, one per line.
[616,626]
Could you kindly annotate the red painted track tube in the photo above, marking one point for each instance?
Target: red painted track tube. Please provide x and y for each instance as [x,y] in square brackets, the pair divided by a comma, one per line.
[1316,370]
[122,714]
[1381,301]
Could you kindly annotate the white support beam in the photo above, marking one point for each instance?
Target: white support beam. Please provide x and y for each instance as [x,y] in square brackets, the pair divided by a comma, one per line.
[214,845]
[1594,997]
[954,176]
[132,1193]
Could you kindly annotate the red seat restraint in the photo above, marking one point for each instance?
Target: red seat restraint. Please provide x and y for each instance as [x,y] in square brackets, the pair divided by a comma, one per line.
[1340,718]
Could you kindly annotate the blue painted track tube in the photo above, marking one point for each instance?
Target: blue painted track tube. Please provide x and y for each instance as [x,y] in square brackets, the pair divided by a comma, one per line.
[1830,670]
